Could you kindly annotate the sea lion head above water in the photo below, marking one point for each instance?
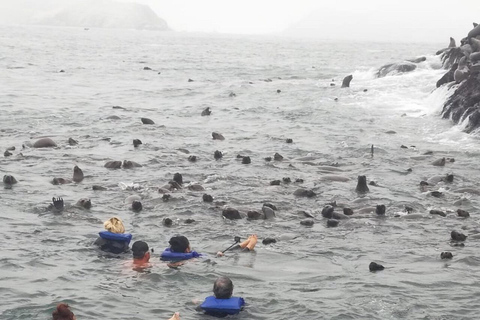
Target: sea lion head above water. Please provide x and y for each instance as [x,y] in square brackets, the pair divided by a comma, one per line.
[9,179]
[362,185]
[77,174]
[84,203]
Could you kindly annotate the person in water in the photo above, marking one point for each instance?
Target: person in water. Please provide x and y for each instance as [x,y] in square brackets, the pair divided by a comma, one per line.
[141,254]
[63,312]
[247,245]
[179,251]
[180,244]
[222,303]
[113,225]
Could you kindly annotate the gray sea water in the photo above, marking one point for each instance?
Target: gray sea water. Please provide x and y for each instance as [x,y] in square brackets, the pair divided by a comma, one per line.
[311,272]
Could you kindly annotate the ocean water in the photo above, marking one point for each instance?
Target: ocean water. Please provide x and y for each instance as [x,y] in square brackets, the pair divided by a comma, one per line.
[311,272]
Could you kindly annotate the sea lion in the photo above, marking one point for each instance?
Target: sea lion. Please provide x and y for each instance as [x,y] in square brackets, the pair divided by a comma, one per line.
[380,210]
[289,140]
[195,187]
[137,206]
[327,211]
[452,43]
[9,179]
[206,112]
[270,205]
[268,212]
[458,236]
[304,193]
[57,181]
[84,203]
[438,213]
[127,164]
[136,142]
[446,255]
[98,188]
[56,206]
[277,157]
[275,183]
[475,43]
[178,178]
[255,215]
[347,211]
[307,222]
[207,198]
[217,155]
[113,164]
[231,214]
[147,121]
[44,143]
[373,266]
[72,142]
[332,223]
[192,158]
[362,185]
[268,241]
[463,213]
[439,162]
[474,32]
[77,174]
[346,81]
[246,160]
[217,136]
[396,68]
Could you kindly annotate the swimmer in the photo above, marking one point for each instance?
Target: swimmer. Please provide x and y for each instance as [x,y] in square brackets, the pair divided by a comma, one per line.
[141,255]
[247,245]
[176,316]
[63,312]
[113,225]
[222,296]
[179,250]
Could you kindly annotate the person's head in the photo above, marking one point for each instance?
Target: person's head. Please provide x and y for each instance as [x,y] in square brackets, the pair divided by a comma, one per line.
[137,206]
[140,250]
[114,225]
[62,312]
[223,288]
[179,244]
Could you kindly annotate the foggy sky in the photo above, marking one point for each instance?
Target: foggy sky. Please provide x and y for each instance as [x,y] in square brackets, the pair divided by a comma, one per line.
[374,20]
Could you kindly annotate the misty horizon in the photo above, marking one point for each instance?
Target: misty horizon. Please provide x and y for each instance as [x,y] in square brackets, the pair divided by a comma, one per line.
[397,21]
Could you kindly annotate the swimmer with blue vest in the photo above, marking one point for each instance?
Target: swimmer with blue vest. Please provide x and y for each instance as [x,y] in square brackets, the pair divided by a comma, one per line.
[222,304]
[179,250]
[114,239]
[247,245]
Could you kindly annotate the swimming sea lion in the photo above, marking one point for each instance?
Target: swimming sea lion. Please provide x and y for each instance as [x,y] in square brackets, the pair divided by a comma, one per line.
[439,162]
[84,203]
[206,112]
[207,198]
[77,174]
[44,143]
[463,213]
[362,185]
[268,212]
[192,158]
[137,206]
[246,160]
[307,222]
[195,187]
[217,155]
[178,178]
[72,142]
[380,210]
[327,211]
[136,142]
[446,255]
[452,43]
[9,179]
[113,164]
[332,223]
[255,215]
[217,136]
[373,266]
[57,181]
[347,211]
[304,193]
[277,157]
[438,212]
[127,164]
[231,214]
[147,121]
[346,81]
[458,236]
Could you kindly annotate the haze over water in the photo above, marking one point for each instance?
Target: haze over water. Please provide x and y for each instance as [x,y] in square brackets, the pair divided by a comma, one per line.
[311,272]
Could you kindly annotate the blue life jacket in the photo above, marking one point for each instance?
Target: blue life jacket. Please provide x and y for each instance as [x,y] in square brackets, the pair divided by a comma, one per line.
[216,306]
[121,237]
[168,255]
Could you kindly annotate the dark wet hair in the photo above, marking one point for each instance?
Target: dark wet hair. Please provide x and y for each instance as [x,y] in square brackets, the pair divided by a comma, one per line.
[223,288]
[139,249]
[62,312]
[137,205]
[179,244]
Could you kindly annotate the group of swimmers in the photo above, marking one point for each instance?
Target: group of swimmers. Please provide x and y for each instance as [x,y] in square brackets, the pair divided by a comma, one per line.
[115,240]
